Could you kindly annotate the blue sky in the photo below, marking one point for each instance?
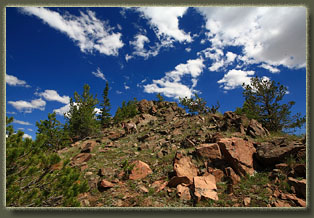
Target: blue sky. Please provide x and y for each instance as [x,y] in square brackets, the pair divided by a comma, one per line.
[175,51]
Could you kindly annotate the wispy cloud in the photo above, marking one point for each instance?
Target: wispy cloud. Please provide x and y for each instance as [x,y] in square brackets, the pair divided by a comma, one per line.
[28,107]
[99,74]
[86,30]
[14,81]
[270,68]
[52,95]
[22,122]
[27,136]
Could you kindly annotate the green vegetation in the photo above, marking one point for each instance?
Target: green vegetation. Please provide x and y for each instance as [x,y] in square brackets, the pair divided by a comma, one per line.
[105,116]
[198,105]
[160,98]
[127,110]
[81,117]
[262,102]
[31,180]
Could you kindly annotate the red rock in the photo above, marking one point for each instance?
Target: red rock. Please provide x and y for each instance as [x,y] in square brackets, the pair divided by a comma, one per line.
[210,151]
[255,129]
[140,170]
[239,154]
[88,146]
[299,185]
[57,166]
[106,184]
[174,181]
[280,203]
[183,192]
[81,158]
[219,174]
[205,186]
[184,167]
[247,201]
[159,185]
[143,188]
[234,178]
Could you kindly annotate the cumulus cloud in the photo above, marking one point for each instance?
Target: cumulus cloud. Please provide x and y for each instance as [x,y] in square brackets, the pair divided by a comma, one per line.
[86,30]
[14,81]
[171,85]
[22,122]
[52,95]
[235,78]
[28,107]
[65,109]
[27,136]
[271,35]
[99,74]
[165,22]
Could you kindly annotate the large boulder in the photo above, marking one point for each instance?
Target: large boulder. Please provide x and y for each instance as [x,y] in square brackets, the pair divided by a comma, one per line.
[144,106]
[80,158]
[276,151]
[184,167]
[209,151]
[140,170]
[299,185]
[205,187]
[239,154]
[255,129]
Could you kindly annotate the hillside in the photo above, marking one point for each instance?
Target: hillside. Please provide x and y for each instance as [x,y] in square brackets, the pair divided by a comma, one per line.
[174,159]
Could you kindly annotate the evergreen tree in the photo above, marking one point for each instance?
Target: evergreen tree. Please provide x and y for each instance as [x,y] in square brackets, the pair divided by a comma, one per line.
[127,110]
[51,131]
[30,180]
[160,98]
[105,116]
[262,102]
[194,105]
[81,117]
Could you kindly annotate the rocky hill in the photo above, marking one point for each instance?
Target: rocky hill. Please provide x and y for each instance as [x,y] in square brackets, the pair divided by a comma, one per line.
[174,159]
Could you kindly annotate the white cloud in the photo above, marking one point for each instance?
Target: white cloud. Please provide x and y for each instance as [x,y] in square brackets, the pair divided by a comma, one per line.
[14,81]
[126,87]
[171,86]
[272,35]
[9,112]
[22,122]
[28,107]
[119,92]
[235,78]
[52,95]
[128,57]
[230,56]
[30,130]
[65,109]
[61,111]
[270,68]
[27,136]
[165,22]
[188,49]
[89,33]
[99,74]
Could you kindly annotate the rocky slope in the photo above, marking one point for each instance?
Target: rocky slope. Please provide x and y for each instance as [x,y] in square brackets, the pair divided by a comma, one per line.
[174,159]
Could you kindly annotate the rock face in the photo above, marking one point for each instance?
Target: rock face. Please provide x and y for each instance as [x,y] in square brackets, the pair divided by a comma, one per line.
[144,106]
[255,129]
[299,185]
[270,153]
[81,158]
[210,151]
[205,186]
[183,192]
[88,146]
[239,154]
[184,167]
[140,170]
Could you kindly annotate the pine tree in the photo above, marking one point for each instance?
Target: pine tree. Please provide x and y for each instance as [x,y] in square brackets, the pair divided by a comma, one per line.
[81,117]
[52,133]
[30,180]
[194,105]
[127,110]
[105,116]
[262,102]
